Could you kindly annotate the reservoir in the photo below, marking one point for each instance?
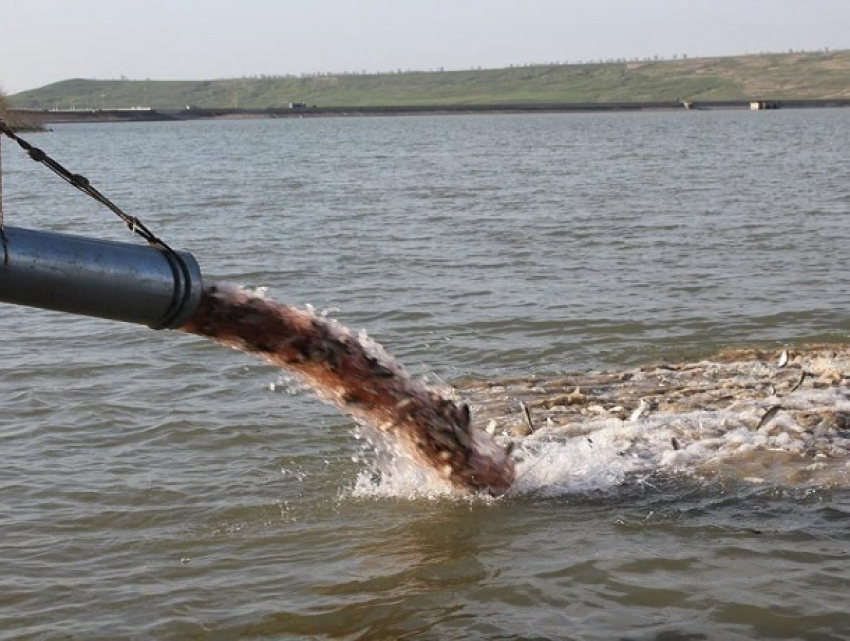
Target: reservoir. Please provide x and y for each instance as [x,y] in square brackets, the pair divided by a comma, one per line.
[157,486]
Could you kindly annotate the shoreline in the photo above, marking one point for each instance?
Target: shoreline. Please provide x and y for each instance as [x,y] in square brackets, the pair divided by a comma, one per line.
[44,117]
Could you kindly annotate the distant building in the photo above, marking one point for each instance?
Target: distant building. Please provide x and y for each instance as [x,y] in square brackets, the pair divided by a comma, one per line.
[756,105]
[297,105]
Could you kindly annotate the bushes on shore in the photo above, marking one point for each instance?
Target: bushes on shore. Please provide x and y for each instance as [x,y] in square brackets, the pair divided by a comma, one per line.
[13,120]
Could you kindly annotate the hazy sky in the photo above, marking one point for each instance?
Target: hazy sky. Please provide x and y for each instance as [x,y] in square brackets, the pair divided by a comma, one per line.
[44,41]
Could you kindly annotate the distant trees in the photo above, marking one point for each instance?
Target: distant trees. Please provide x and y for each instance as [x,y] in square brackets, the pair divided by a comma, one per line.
[4,110]
[9,119]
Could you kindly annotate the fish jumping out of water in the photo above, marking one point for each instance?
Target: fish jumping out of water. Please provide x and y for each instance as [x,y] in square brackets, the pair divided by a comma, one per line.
[361,380]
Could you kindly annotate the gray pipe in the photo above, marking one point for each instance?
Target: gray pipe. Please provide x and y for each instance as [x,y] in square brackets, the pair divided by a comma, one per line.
[117,281]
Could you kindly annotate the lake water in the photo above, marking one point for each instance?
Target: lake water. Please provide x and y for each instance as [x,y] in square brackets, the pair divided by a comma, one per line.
[157,486]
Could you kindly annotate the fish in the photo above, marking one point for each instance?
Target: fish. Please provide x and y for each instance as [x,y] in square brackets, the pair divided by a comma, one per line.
[643,407]
[358,377]
[768,416]
[799,382]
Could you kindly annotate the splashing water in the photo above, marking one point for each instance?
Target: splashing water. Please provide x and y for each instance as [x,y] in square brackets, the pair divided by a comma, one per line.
[751,416]
[747,416]
[361,379]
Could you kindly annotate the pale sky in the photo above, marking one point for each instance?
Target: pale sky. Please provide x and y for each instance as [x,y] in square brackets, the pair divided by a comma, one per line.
[44,41]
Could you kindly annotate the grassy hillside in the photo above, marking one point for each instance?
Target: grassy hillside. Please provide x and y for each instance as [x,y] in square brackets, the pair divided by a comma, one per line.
[788,76]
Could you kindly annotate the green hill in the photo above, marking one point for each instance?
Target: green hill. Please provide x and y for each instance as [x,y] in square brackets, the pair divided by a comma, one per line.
[790,76]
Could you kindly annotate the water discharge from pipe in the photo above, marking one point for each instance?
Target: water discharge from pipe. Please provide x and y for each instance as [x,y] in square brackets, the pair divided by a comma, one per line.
[162,288]
[359,378]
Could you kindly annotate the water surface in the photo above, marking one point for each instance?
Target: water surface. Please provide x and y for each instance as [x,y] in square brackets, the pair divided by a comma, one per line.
[157,486]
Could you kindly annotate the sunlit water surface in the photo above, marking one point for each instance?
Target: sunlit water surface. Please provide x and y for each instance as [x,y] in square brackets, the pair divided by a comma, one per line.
[157,486]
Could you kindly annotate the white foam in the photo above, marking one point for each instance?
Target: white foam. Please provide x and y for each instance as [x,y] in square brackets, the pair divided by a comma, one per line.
[551,464]
[611,453]
[607,455]
[389,473]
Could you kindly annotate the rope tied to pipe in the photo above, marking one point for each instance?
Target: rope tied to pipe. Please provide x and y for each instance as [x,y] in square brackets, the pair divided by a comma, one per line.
[84,185]
[3,239]
[182,288]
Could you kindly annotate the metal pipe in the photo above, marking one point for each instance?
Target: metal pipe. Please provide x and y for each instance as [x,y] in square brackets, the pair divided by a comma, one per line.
[139,284]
